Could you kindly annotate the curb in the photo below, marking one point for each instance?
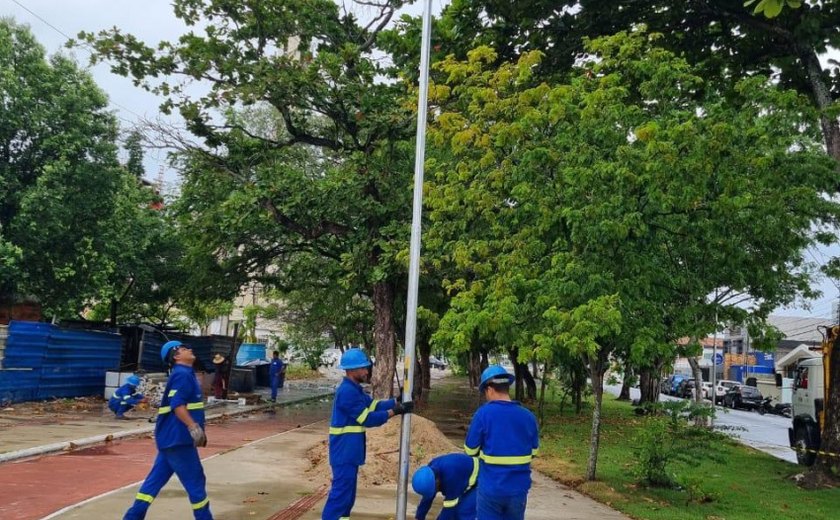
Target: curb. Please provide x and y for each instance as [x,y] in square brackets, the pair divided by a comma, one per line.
[108,437]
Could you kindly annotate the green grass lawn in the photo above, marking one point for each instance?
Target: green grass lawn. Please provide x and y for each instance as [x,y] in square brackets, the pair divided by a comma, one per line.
[741,483]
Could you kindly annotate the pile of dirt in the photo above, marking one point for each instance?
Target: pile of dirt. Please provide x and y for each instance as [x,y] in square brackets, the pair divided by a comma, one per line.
[383,452]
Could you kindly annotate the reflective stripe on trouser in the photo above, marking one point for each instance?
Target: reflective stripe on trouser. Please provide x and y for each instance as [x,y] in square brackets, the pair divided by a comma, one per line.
[342,493]
[491,507]
[184,462]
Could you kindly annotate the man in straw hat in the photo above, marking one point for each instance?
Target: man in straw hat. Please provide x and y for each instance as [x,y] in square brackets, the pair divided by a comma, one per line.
[219,385]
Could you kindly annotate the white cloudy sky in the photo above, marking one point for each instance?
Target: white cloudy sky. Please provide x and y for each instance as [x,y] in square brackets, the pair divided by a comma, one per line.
[153,21]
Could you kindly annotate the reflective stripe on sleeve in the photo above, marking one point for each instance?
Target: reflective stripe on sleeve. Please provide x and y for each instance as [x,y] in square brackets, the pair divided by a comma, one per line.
[201,504]
[362,416]
[172,393]
[346,429]
[143,497]
[190,406]
[451,503]
[472,452]
[506,460]
[474,475]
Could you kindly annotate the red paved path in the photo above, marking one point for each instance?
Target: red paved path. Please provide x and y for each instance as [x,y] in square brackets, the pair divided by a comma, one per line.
[33,488]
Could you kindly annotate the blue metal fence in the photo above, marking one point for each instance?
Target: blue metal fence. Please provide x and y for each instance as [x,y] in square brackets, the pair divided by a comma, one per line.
[56,362]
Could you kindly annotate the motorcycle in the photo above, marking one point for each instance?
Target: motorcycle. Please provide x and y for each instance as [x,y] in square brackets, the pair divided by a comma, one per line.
[783,409]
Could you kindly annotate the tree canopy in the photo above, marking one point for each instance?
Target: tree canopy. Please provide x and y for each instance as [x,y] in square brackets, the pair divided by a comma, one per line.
[602,212]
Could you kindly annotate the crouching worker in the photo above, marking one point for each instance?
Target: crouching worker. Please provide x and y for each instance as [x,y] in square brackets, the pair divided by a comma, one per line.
[179,431]
[353,411]
[455,477]
[126,397]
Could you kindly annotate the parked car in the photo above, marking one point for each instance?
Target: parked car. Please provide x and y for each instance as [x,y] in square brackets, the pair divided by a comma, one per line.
[723,386]
[743,396]
[707,390]
[670,384]
[436,363]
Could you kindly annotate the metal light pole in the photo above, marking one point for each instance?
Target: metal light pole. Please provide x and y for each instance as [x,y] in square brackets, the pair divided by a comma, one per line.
[414,264]
[714,368]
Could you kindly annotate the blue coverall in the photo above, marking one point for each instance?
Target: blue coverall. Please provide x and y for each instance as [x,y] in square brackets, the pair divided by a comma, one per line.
[124,399]
[176,450]
[457,474]
[353,411]
[505,437]
[276,375]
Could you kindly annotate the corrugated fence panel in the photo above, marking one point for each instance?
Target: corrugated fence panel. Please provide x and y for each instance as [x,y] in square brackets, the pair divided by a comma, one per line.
[83,349]
[202,347]
[27,344]
[18,385]
[70,382]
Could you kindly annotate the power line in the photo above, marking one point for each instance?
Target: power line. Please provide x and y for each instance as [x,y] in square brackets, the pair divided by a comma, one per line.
[85,45]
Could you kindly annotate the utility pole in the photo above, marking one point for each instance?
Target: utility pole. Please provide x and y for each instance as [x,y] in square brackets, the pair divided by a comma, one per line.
[414,254]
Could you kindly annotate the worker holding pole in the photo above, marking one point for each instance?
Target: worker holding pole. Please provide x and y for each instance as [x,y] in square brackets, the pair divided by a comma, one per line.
[353,411]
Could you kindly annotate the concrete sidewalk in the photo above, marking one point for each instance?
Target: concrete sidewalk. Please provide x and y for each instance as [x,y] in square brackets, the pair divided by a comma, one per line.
[22,437]
[267,479]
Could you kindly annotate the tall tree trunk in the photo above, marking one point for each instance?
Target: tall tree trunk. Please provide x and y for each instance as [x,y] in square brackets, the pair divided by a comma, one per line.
[114,304]
[513,354]
[541,402]
[384,338]
[822,97]
[474,367]
[827,467]
[528,380]
[425,350]
[698,389]
[649,385]
[624,394]
[597,367]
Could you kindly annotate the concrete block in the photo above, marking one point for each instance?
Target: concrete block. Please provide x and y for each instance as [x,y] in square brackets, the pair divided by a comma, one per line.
[112,379]
[109,391]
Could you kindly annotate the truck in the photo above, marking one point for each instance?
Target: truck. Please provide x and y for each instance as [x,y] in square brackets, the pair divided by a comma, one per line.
[810,388]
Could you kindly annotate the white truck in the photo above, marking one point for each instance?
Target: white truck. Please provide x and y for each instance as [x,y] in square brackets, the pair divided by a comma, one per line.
[808,405]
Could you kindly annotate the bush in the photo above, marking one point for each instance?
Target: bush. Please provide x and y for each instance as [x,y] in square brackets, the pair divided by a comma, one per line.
[668,438]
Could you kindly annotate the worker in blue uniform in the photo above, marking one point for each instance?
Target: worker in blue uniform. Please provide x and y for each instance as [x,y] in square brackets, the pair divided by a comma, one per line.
[455,476]
[276,373]
[504,435]
[353,411]
[179,431]
[126,397]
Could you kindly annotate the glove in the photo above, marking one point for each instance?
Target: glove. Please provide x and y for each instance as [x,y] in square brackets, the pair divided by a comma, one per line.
[406,407]
[198,436]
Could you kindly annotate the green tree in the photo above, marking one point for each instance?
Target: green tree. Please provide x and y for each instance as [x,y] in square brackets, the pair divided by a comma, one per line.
[725,38]
[59,176]
[571,208]
[325,171]
[134,149]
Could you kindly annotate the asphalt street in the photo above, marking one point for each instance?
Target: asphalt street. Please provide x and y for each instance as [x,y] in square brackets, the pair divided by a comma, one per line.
[768,433]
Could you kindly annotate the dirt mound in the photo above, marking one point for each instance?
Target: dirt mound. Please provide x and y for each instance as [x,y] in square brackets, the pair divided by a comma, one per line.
[383,452]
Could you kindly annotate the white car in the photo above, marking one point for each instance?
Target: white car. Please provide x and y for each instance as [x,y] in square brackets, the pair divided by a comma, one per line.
[723,386]
[707,389]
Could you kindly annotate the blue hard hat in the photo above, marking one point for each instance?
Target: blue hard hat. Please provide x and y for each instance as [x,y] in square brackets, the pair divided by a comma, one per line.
[353,358]
[133,380]
[169,345]
[424,483]
[495,374]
